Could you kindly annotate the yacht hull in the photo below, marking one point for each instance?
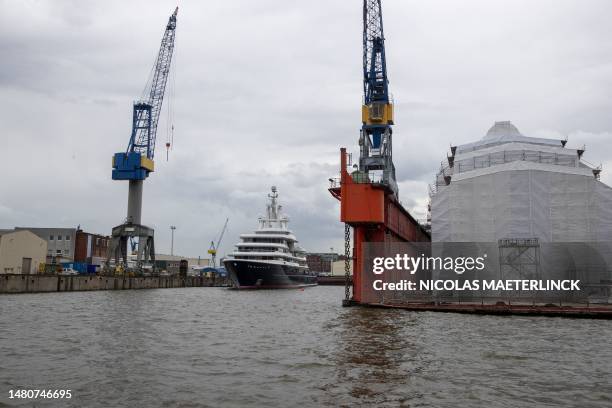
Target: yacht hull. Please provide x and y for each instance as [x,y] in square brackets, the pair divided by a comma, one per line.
[247,274]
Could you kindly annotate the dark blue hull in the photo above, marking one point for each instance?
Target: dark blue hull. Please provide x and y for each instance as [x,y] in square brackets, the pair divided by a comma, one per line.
[258,275]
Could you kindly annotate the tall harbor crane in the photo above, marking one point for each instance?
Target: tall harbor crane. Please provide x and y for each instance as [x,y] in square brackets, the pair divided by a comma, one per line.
[136,163]
[369,202]
[377,111]
[215,247]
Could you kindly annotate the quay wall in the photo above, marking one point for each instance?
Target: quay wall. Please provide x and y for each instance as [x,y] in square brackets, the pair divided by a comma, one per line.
[22,283]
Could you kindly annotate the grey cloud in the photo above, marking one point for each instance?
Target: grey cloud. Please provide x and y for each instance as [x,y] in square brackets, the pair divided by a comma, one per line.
[267,92]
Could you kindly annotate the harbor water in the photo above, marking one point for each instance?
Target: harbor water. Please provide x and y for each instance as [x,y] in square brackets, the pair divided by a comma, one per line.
[213,347]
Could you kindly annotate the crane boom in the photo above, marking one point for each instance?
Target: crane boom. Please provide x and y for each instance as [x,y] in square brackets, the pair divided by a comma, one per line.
[222,233]
[146,112]
[377,110]
[374,62]
[137,162]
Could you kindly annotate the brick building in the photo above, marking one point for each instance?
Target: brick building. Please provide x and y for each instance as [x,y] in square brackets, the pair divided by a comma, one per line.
[90,248]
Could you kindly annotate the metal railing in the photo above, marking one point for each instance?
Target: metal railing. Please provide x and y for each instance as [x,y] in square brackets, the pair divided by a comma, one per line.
[359,178]
[494,159]
[334,182]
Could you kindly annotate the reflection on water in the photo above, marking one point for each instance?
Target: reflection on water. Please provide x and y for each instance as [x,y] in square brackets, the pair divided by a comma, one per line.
[203,347]
[369,359]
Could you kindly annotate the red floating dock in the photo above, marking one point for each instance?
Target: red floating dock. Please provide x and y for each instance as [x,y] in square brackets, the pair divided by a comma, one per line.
[573,311]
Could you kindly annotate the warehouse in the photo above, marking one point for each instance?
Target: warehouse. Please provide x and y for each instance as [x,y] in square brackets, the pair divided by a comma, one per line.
[21,252]
[60,242]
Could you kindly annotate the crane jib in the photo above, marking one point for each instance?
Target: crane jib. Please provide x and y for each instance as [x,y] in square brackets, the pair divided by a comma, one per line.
[137,161]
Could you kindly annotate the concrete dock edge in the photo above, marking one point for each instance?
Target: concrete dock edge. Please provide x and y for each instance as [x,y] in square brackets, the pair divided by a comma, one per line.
[17,283]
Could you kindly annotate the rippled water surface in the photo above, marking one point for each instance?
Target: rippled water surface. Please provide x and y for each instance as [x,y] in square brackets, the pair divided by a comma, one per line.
[211,347]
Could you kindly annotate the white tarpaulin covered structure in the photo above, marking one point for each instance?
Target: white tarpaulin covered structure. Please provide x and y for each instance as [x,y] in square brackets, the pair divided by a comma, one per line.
[507,185]
[533,206]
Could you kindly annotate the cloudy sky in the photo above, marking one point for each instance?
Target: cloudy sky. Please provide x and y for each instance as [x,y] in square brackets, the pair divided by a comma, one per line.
[265,94]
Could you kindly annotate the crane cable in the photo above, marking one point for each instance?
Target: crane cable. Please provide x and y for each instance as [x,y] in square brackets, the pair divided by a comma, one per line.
[170,108]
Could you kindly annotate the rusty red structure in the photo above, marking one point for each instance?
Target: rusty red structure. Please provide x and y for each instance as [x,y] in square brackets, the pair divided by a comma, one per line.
[372,210]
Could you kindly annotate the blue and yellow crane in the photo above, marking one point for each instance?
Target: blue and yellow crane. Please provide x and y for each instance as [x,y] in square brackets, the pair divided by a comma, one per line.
[212,251]
[377,110]
[136,163]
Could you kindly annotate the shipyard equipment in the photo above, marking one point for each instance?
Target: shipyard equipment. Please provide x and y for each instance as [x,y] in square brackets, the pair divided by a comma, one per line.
[369,194]
[375,142]
[215,247]
[136,162]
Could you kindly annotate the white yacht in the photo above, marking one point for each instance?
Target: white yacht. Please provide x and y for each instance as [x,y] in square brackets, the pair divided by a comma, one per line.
[270,257]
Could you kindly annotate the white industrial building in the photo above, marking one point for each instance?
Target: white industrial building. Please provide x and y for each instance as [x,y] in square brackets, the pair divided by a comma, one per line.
[338,268]
[507,185]
[21,252]
[60,242]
